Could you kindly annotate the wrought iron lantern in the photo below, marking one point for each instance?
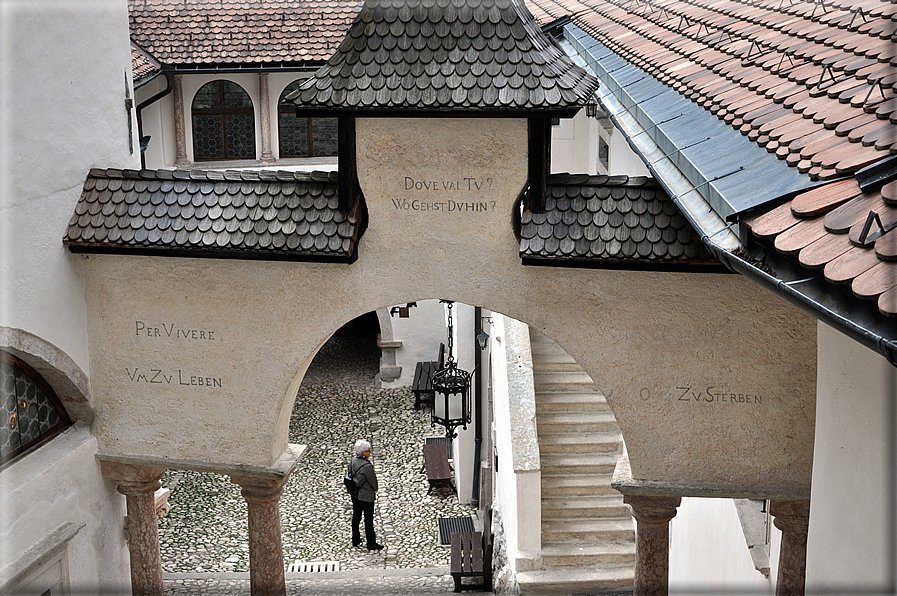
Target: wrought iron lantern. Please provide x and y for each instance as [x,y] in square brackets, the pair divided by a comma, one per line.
[482,338]
[451,391]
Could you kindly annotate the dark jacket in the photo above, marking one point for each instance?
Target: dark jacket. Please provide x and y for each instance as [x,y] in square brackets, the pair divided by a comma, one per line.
[362,471]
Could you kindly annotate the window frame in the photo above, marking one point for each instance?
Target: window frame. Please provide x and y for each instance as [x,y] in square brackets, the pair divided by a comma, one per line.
[36,378]
[222,113]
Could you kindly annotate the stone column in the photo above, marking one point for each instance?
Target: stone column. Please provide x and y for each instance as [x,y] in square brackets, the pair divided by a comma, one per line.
[266,576]
[793,519]
[265,117]
[652,542]
[139,485]
[179,125]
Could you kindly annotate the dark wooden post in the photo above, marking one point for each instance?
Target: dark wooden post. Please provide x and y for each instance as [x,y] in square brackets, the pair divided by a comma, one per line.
[348,174]
[539,163]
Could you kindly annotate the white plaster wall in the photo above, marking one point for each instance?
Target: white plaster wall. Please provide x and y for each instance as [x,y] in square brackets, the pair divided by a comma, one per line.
[158,122]
[708,551]
[574,145]
[623,160]
[574,149]
[518,476]
[853,521]
[58,483]
[64,66]
[464,445]
[420,334]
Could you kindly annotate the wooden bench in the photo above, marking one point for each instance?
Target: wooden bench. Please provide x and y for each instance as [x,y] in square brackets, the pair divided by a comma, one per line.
[422,385]
[439,473]
[472,557]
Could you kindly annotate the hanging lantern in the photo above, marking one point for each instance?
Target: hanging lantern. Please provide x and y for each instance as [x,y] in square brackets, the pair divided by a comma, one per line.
[451,389]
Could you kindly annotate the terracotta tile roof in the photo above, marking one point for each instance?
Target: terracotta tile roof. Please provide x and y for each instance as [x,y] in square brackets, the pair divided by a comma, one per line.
[609,221]
[143,65]
[205,32]
[233,214]
[446,55]
[823,229]
[800,79]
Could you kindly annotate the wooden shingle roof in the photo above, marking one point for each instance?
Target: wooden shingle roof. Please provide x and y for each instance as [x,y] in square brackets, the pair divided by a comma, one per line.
[446,55]
[610,221]
[233,214]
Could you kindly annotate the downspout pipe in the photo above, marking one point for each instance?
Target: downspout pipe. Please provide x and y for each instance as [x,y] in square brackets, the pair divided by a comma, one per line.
[478,406]
[168,73]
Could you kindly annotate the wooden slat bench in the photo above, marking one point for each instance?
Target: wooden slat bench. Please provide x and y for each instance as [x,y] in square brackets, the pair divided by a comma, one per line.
[422,385]
[472,557]
[439,473]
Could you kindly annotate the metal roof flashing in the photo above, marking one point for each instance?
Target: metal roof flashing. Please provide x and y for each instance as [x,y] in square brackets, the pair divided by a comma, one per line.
[701,146]
[710,198]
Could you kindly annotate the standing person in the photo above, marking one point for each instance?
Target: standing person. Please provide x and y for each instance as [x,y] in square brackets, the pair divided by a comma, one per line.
[362,471]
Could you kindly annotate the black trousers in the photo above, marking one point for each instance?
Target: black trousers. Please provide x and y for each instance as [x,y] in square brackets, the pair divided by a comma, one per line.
[366,508]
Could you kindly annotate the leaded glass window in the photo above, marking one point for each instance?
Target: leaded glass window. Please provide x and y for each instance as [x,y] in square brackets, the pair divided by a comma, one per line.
[223,123]
[31,413]
[304,137]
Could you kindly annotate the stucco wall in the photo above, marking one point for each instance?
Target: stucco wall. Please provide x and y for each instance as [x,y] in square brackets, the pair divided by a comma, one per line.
[420,334]
[853,512]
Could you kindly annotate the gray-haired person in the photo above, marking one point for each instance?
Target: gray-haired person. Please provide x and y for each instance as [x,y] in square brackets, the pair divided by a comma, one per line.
[362,471]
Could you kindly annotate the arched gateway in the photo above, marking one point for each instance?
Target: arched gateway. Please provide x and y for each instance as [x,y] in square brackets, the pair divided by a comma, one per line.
[443,144]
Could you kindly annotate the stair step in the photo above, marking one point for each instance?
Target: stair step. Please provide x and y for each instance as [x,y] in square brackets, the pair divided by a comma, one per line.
[606,442]
[557,381]
[541,365]
[571,402]
[579,463]
[567,555]
[581,531]
[618,579]
[554,423]
[580,485]
[593,506]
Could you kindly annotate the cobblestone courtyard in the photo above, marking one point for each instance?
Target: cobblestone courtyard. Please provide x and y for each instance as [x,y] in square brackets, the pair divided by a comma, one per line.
[205,531]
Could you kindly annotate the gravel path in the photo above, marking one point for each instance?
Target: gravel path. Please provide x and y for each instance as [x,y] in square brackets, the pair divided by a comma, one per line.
[205,532]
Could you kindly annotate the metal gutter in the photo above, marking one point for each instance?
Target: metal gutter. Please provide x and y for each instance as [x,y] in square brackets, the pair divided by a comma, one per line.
[808,290]
[169,87]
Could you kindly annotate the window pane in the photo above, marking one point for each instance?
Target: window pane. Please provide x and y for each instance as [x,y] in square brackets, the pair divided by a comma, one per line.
[293,135]
[240,131]
[235,96]
[207,137]
[324,135]
[9,417]
[209,96]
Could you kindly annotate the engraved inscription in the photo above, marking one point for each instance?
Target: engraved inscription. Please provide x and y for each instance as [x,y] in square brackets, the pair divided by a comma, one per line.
[170,330]
[446,206]
[158,376]
[461,184]
[713,395]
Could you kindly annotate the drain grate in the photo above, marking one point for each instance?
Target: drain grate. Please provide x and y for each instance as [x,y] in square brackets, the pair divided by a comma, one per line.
[312,566]
[450,525]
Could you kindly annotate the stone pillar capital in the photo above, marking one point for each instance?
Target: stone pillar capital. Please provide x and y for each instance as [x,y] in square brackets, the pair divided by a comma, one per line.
[791,516]
[652,511]
[260,489]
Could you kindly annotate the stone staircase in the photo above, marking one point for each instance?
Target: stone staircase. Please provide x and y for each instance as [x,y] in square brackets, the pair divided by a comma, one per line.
[588,536]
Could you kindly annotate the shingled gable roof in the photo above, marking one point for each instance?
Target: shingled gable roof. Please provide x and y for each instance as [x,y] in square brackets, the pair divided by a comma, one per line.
[234,214]
[446,55]
[612,222]
[204,33]
[808,89]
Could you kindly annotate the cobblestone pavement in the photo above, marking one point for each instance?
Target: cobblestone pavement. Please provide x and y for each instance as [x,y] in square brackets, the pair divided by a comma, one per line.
[204,538]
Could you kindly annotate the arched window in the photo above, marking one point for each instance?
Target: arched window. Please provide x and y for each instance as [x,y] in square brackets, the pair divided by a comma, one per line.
[304,137]
[223,123]
[31,413]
